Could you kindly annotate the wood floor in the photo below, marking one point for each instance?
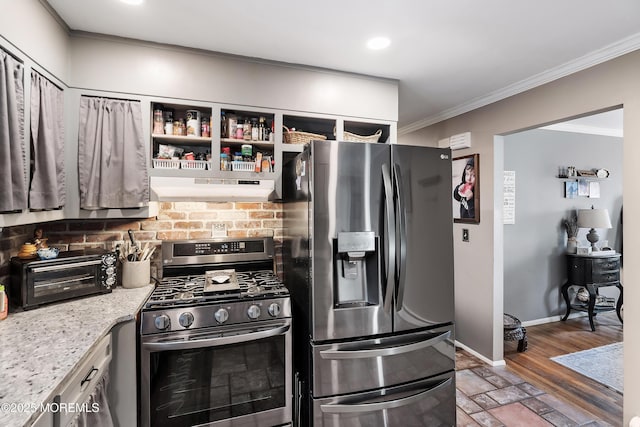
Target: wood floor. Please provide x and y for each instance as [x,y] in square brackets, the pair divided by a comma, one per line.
[557,338]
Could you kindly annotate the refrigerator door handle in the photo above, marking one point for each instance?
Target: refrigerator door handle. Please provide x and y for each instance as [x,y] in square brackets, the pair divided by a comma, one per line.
[380,406]
[391,236]
[402,226]
[387,351]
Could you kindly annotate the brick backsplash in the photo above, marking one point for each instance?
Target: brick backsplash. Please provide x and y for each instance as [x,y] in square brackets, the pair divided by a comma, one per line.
[175,220]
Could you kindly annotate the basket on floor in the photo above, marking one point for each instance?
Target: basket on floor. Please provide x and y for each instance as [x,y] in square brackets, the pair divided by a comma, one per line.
[514,331]
[352,137]
[298,137]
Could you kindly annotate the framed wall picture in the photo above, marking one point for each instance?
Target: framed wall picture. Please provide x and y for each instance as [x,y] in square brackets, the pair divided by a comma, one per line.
[466,188]
[571,189]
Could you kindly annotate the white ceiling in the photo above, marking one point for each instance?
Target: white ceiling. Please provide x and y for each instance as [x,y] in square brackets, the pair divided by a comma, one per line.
[448,56]
[608,124]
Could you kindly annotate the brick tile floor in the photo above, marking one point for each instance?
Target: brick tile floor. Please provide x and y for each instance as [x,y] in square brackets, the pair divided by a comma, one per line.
[495,397]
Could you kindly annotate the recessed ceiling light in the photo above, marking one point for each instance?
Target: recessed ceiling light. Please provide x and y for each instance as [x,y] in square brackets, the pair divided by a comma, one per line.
[133,2]
[378,43]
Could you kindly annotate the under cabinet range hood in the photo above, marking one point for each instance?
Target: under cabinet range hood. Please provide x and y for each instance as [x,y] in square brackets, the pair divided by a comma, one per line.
[183,189]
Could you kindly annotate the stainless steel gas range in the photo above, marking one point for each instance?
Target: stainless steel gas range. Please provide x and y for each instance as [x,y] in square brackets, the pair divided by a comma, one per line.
[215,337]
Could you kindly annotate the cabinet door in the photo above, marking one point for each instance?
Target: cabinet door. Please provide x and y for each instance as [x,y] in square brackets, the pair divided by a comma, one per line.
[576,270]
[44,420]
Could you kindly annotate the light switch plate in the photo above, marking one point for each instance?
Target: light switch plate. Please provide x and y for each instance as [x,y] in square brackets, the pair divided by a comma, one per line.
[465,234]
[219,229]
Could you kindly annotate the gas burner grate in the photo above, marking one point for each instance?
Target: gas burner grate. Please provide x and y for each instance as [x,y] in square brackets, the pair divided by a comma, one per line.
[189,290]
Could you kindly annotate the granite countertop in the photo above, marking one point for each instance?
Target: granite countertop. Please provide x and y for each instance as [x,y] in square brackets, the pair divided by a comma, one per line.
[40,348]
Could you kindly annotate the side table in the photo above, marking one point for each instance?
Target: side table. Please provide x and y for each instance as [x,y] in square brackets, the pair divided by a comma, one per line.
[593,272]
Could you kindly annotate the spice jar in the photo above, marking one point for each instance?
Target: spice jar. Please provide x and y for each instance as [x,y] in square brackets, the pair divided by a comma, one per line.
[205,127]
[224,162]
[158,122]
[247,130]
[247,152]
[239,131]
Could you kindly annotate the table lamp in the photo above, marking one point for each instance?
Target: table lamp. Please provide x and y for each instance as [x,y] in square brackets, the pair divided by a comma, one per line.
[593,218]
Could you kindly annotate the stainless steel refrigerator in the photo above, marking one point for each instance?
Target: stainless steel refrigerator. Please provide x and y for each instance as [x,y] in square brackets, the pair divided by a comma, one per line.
[368,260]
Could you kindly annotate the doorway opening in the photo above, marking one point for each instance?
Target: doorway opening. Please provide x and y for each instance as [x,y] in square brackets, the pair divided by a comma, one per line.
[534,249]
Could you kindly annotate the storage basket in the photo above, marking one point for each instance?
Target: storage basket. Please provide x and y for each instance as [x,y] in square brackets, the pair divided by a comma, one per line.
[193,164]
[352,137]
[166,164]
[297,137]
[238,166]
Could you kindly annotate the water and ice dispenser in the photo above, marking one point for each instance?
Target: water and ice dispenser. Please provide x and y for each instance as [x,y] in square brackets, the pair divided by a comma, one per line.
[355,266]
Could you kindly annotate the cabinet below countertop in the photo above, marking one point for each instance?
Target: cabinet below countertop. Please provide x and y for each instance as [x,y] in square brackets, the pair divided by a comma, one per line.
[42,348]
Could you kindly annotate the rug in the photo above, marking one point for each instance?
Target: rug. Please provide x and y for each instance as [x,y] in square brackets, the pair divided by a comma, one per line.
[602,364]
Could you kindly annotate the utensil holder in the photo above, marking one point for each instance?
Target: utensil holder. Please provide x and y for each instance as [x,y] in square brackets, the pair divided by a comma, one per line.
[136,274]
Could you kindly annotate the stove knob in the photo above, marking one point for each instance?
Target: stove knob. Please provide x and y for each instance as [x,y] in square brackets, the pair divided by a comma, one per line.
[221,315]
[186,319]
[274,309]
[253,312]
[162,322]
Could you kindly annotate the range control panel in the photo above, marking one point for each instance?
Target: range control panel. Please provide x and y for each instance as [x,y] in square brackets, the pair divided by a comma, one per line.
[215,248]
[217,253]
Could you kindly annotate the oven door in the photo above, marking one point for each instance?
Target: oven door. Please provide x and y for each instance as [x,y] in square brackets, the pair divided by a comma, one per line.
[63,280]
[223,376]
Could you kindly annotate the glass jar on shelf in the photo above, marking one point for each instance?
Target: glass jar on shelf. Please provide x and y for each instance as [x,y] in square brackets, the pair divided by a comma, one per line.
[247,130]
[158,121]
[239,130]
[224,162]
[206,131]
[254,130]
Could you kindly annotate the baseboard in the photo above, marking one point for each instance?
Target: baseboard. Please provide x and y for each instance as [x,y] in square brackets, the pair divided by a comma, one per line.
[551,319]
[480,356]
[534,322]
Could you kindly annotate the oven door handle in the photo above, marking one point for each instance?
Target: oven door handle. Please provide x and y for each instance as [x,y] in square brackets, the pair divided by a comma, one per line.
[217,341]
[57,267]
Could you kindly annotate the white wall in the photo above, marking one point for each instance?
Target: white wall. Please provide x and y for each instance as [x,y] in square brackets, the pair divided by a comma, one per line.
[29,26]
[122,65]
[478,286]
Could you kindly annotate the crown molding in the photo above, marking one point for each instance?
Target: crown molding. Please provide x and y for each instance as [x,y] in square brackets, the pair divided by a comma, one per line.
[596,57]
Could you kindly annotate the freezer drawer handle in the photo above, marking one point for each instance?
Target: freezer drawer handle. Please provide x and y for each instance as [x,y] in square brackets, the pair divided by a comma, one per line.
[218,341]
[389,351]
[381,406]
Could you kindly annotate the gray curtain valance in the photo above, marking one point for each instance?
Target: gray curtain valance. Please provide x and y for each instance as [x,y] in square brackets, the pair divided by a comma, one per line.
[112,158]
[13,172]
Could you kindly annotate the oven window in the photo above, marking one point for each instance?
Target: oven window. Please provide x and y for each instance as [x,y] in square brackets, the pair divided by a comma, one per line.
[190,387]
[58,285]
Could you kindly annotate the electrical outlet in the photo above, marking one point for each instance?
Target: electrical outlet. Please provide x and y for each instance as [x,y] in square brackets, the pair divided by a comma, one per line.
[465,234]
[219,229]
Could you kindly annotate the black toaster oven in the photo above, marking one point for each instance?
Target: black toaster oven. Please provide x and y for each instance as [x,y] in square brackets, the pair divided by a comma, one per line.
[72,274]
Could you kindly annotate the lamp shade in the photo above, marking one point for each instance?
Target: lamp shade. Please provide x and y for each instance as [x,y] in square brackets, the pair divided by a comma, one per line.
[594,218]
